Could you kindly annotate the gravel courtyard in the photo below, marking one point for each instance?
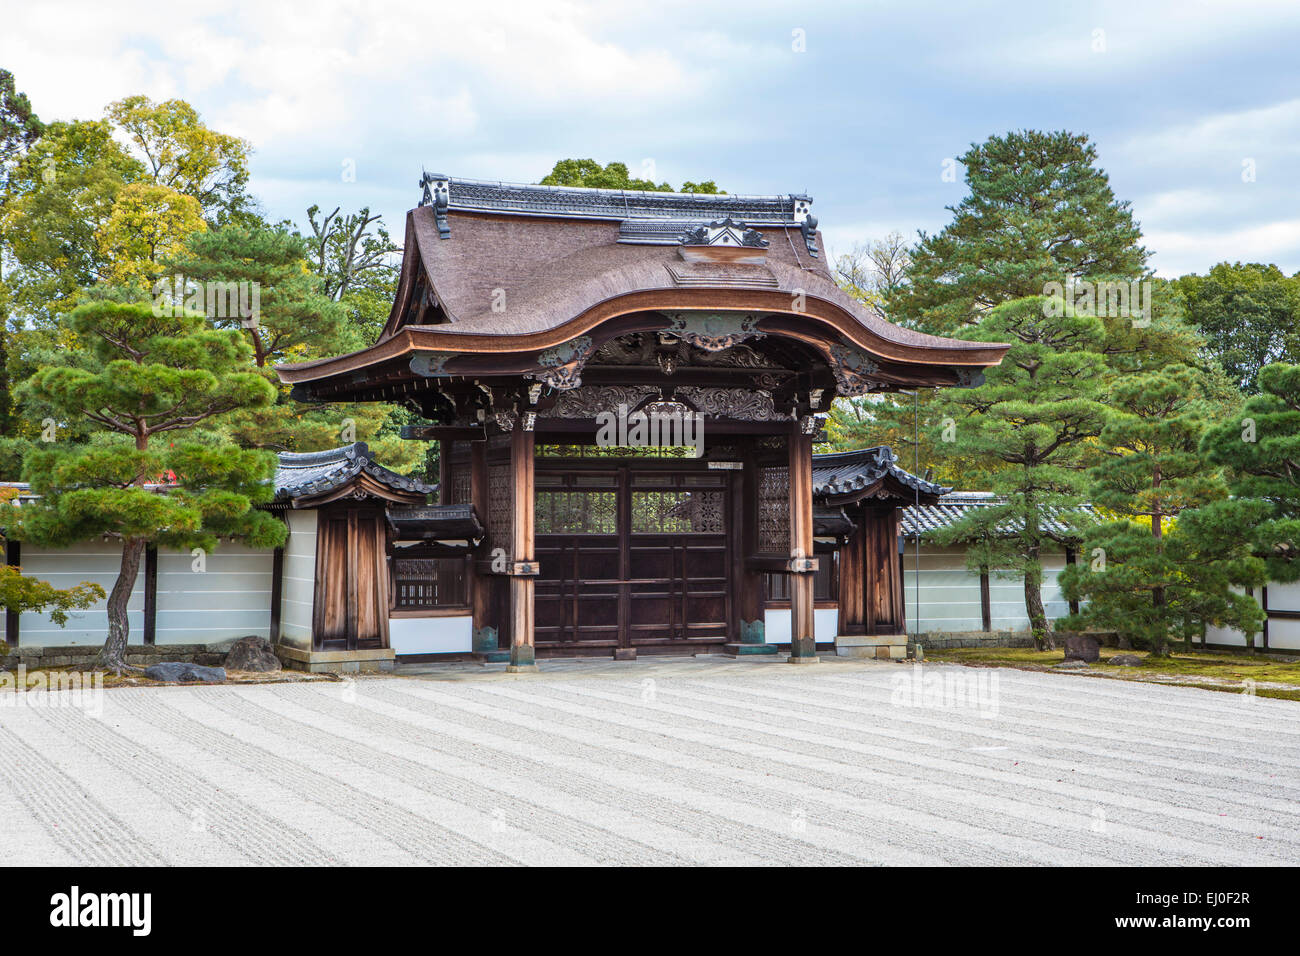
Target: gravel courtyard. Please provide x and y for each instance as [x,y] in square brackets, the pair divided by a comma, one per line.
[704,761]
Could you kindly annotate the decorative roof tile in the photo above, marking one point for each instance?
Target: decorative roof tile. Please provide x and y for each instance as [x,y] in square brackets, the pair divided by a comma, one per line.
[573,202]
[953,506]
[861,471]
[320,472]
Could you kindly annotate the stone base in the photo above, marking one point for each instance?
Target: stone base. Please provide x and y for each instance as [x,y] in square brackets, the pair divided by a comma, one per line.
[745,650]
[379,660]
[885,647]
[521,669]
[82,655]
[803,660]
[625,653]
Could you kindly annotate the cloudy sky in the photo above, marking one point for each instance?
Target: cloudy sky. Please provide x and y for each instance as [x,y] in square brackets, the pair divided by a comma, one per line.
[857,103]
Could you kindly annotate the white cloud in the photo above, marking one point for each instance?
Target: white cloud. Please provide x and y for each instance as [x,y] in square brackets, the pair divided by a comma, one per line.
[1195,250]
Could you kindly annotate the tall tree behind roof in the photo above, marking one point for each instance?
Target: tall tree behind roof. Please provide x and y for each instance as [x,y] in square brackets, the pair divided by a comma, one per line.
[19,129]
[184,154]
[1249,314]
[1039,210]
[19,124]
[589,173]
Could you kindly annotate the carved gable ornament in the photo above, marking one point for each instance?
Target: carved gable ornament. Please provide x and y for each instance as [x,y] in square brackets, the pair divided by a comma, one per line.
[723,240]
[712,331]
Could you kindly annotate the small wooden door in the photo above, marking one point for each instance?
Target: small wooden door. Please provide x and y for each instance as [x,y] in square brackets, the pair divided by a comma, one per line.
[351,608]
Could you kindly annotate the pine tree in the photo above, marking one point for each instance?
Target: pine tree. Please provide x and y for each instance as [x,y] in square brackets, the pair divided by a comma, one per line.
[295,321]
[144,375]
[1171,571]
[1036,413]
[1261,446]
[1039,211]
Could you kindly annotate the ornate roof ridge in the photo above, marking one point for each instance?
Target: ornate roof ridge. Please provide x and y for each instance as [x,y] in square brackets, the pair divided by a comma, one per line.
[312,473]
[848,471]
[582,202]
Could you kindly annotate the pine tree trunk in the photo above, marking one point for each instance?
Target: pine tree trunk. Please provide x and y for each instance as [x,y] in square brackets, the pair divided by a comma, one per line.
[1159,639]
[1043,638]
[113,654]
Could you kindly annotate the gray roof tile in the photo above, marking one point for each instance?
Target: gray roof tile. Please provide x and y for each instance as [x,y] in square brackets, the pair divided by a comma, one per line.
[319,472]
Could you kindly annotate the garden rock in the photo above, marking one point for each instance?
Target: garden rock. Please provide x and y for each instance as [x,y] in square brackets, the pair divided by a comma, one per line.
[1082,647]
[180,672]
[252,654]
[1125,660]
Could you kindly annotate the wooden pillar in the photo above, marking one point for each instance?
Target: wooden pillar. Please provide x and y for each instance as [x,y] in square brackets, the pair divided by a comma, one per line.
[893,548]
[484,628]
[1264,605]
[1071,557]
[151,595]
[803,642]
[445,467]
[523,569]
[13,558]
[751,612]
[986,600]
[277,593]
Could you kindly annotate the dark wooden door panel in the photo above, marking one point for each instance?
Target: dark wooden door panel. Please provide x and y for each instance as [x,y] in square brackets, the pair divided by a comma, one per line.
[647,563]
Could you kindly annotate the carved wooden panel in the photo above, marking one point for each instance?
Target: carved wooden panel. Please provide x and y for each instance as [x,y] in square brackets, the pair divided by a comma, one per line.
[460,488]
[500,516]
[774,509]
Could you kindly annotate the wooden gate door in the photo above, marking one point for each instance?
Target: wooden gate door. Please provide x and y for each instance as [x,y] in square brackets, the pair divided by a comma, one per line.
[351,609]
[578,589]
[632,557]
[678,559]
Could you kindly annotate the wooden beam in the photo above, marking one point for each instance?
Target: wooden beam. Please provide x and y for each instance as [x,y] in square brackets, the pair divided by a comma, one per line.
[443,433]
[150,595]
[803,641]
[523,568]
[13,558]
[986,603]
[1071,557]
[1265,609]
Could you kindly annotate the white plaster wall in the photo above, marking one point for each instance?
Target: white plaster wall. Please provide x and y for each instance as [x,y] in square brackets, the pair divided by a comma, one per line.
[1283,634]
[229,598]
[93,561]
[949,594]
[777,623]
[299,594]
[431,635]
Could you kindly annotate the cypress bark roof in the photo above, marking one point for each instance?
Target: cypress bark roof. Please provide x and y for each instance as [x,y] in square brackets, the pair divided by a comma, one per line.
[498,268]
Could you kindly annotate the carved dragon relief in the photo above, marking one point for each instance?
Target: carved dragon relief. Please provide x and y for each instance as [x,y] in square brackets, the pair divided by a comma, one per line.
[561,366]
[854,370]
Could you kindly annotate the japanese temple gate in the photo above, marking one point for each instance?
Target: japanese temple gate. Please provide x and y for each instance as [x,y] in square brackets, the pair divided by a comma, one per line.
[526,315]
